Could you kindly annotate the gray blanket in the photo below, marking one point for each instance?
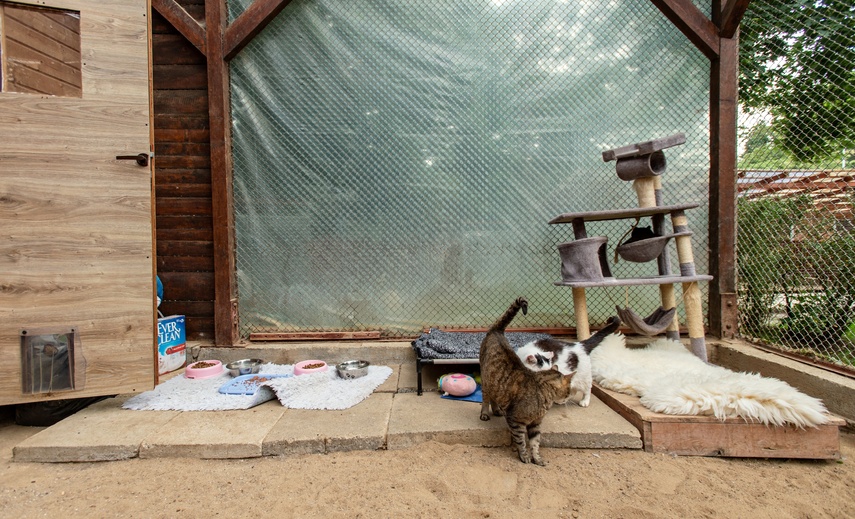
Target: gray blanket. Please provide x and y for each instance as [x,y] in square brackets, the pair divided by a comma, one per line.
[437,344]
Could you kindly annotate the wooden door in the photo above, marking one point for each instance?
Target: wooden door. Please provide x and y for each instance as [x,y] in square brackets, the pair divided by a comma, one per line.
[77,310]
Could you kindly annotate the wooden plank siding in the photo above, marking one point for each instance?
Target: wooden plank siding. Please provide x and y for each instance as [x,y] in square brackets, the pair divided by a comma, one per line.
[40,51]
[185,250]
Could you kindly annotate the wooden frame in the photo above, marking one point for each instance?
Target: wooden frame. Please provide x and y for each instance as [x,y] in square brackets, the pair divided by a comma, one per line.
[733,437]
[716,38]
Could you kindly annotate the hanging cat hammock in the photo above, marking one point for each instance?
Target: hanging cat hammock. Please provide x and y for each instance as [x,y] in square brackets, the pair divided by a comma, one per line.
[653,324]
[643,244]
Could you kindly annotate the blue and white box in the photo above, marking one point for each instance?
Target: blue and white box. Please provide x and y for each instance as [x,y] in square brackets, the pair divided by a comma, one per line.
[171,343]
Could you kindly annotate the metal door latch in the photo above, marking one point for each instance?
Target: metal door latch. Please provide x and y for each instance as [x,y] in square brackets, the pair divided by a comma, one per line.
[142,158]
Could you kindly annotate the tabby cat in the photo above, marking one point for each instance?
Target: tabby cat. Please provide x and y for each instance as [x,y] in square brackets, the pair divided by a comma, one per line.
[523,396]
[570,358]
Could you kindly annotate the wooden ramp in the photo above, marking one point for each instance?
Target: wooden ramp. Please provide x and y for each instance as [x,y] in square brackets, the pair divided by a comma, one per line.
[734,437]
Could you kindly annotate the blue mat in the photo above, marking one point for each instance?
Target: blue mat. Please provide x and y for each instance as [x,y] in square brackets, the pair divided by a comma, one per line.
[474,397]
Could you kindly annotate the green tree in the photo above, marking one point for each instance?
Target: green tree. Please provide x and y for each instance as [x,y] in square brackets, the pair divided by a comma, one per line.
[797,60]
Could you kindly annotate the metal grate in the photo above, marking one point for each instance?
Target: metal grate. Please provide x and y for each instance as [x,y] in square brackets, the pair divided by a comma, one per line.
[396,163]
[796,237]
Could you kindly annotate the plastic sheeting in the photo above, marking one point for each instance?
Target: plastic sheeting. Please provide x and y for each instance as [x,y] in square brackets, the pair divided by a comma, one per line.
[396,163]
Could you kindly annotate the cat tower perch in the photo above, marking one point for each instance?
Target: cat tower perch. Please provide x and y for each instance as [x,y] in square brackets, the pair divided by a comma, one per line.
[584,263]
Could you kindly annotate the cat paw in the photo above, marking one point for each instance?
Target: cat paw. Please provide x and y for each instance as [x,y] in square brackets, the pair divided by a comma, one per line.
[539,461]
[585,403]
[485,417]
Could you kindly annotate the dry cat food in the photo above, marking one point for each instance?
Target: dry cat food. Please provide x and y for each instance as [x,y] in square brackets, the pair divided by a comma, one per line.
[253,382]
[203,365]
[316,365]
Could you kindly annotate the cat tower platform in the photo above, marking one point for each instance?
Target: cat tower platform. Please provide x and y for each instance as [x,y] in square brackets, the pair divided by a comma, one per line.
[733,437]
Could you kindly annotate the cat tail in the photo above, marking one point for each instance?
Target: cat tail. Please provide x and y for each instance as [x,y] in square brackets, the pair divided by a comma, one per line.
[593,341]
[519,304]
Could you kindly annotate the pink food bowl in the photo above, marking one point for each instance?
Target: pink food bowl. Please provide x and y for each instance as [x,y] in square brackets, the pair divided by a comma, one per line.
[204,369]
[309,366]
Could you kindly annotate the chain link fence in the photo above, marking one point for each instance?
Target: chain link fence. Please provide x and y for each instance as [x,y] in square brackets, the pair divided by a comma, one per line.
[796,239]
[396,164]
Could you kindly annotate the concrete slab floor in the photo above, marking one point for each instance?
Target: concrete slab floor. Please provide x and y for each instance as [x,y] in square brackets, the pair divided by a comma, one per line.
[393,417]
[303,431]
[213,434]
[100,432]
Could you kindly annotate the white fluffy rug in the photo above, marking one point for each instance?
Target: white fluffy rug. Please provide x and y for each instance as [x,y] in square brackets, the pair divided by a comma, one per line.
[669,379]
[318,391]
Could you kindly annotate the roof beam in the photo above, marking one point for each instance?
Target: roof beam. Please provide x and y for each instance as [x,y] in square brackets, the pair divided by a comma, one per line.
[692,23]
[185,24]
[251,22]
[731,16]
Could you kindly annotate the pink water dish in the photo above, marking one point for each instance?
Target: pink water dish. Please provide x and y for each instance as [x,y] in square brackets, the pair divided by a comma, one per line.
[309,366]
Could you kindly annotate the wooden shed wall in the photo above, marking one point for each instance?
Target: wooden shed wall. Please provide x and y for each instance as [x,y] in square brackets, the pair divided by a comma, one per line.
[40,52]
[185,251]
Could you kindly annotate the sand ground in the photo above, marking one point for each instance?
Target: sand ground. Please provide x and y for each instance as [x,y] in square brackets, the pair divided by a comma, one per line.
[432,481]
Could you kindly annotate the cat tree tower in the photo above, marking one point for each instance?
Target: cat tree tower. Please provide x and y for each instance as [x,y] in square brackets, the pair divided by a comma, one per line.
[584,263]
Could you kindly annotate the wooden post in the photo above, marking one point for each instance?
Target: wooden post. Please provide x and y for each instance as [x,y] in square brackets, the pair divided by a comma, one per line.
[225,298]
[724,74]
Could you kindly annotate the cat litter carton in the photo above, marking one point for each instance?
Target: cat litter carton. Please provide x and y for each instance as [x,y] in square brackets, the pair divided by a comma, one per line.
[171,343]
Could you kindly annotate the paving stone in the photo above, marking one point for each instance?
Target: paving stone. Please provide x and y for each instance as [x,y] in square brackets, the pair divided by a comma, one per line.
[416,419]
[213,434]
[594,427]
[390,385]
[305,431]
[102,431]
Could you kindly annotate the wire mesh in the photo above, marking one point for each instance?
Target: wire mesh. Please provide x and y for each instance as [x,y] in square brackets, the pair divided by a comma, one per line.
[396,164]
[796,239]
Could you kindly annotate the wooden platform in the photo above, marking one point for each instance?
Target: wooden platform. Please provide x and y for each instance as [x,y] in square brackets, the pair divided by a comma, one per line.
[734,437]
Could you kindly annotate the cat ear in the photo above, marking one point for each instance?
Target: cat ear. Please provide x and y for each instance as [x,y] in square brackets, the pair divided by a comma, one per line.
[531,359]
[549,354]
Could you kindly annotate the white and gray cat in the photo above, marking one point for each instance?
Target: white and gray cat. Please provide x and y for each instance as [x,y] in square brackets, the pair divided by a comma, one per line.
[570,357]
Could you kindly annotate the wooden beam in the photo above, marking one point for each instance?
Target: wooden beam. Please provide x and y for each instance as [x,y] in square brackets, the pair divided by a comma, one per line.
[251,22]
[185,24]
[692,23]
[724,83]
[731,16]
[225,293]
[314,336]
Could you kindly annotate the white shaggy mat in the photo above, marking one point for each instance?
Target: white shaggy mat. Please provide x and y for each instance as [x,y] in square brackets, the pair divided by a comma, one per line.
[669,379]
[319,391]
[326,390]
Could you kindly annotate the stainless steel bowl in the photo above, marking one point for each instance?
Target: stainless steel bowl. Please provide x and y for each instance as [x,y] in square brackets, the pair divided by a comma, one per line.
[352,368]
[244,367]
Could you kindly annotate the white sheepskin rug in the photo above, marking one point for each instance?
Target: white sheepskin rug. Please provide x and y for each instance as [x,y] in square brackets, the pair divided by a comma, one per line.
[314,391]
[669,379]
